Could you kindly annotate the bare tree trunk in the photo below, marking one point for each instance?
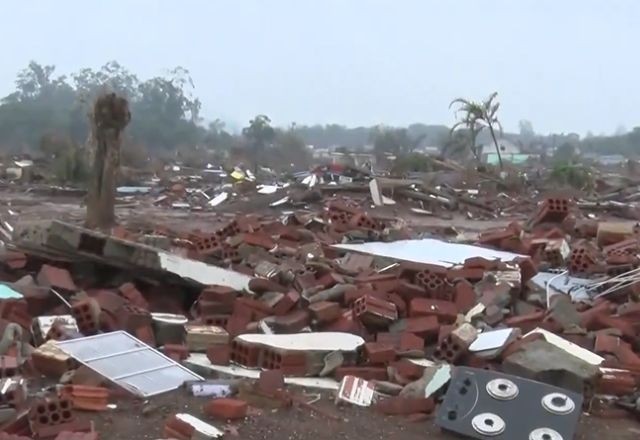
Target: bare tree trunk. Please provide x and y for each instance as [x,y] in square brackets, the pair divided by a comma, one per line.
[474,148]
[495,141]
[110,117]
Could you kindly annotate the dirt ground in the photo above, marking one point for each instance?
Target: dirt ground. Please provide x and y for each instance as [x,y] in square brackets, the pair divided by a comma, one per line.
[299,423]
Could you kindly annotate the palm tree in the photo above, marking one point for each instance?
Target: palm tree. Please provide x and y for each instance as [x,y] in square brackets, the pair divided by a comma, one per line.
[476,116]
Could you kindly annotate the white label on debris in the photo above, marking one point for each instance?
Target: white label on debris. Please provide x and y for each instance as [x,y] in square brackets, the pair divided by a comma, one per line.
[356,391]
[210,389]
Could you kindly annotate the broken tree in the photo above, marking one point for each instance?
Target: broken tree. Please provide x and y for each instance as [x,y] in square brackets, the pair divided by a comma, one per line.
[109,118]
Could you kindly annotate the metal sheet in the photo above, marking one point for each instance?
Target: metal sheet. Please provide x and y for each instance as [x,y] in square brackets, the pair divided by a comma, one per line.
[128,362]
[491,340]
[428,250]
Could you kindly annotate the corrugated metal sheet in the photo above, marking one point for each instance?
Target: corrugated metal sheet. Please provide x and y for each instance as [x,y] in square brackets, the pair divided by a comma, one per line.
[128,362]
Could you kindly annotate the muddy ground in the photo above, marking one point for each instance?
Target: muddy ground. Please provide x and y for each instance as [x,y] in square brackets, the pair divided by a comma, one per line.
[300,423]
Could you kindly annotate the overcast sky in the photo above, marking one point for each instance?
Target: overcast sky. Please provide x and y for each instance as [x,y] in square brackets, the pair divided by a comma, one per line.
[569,65]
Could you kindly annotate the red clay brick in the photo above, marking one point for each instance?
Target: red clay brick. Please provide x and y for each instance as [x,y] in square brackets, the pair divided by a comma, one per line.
[465,296]
[259,239]
[406,371]
[270,382]
[374,311]
[325,311]
[494,237]
[226,409]
[329,280]
[287,303]
[219,354]
[400,303]
[409,291]
[292,322]
[525,322]
[410,342]
[379,353]
[424,326]
[245,354]
[108,300]
[222,294]
[57,278]
[177,352]
[262,285]
[551,210]
[345,324]
[445,311]
[133,295]
[606,343]
[473,274]
[482,263]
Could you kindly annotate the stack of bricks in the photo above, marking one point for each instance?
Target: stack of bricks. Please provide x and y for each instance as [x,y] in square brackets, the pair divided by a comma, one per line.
[49,416]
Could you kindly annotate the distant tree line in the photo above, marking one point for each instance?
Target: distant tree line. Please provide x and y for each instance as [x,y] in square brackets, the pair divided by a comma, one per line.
[48,113]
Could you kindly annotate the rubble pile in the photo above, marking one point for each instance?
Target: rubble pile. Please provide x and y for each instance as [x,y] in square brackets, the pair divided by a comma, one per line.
[539,317]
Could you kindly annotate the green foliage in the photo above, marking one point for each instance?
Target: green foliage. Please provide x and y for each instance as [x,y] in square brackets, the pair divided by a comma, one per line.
[477,116]
[70,167]
[394,140]
[165,114]
[457,146]
[292,150]
[574,175]
[412,163]
[564,153]
[627,144]
[259,133]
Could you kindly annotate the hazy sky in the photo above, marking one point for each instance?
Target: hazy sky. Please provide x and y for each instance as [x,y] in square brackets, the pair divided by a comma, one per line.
[567,65]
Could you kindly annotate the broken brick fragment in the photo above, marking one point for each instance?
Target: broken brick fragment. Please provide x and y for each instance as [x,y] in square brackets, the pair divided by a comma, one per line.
[379,353]
[374,312]
[219,354]
[445,311]
[56,278]
[325,311]
[177,352]
[270,382]
[261,285]
[87,398]
[226,409]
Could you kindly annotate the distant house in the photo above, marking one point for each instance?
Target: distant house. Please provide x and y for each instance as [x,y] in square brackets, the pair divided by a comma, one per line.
[356,159]
[506,147]
[510,152]
[429,150]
